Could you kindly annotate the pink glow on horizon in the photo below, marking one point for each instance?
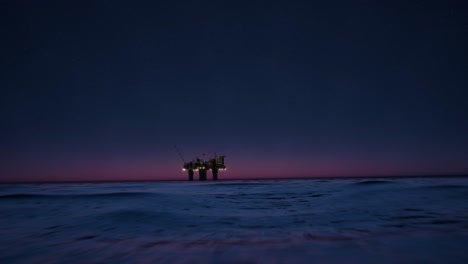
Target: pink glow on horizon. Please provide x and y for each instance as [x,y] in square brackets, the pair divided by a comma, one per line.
[149,169]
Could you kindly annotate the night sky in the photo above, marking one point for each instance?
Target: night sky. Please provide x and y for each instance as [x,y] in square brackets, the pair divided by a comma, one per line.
[103,90]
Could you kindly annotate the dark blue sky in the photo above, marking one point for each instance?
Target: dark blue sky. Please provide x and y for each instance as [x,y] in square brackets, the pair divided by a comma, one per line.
[104,89]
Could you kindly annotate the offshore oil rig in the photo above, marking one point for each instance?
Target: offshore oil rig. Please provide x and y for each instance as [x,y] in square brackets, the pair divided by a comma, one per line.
[202,166]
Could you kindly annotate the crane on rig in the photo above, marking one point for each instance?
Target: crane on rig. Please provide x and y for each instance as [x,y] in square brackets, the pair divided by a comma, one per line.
[179,153]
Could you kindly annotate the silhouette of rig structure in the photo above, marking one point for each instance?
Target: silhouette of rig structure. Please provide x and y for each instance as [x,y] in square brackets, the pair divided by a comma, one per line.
[202,166]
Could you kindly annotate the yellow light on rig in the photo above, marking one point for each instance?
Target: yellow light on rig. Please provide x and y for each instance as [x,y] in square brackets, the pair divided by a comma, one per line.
[183,169]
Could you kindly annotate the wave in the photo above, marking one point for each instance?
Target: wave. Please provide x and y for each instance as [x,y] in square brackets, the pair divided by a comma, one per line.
[91,195]
[135,218]
[132,215]
[239,241]
[237,184]
[373,182]
[447,187]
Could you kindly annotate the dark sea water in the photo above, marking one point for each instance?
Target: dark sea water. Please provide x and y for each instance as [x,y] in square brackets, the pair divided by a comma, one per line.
[413,220]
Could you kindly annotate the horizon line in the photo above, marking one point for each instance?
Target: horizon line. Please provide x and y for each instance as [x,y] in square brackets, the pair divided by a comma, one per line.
[247,179]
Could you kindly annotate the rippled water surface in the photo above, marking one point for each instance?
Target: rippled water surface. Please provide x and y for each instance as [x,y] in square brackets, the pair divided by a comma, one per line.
[414,220]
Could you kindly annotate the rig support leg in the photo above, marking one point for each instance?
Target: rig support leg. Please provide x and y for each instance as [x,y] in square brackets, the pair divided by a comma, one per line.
[215,174]
[190,175]
[202,174]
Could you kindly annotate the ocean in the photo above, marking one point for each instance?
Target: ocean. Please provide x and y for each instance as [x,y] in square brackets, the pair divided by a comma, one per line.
[373,220]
